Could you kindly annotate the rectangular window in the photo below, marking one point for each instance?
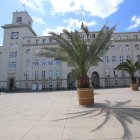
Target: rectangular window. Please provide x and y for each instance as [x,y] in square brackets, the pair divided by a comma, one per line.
[106,59]
[112,47]
[28,41]
[116,82]
[36,62]
[128,57]
[43,74]
[14,45]
[57,62]
[127,47]
[26,75]
[50,62]
[36,74]
[107,73]
[121,48]
[113,59]
[37,41]
[19,19]
[121,58]
[138,58]
[126,37]
[44,41]
[123,74]
[107,83]
[135,37]
[27,62]
[115,73]
[137,46]
[50,74]
[12,65]
[119,37]
[43,61]
[57,74]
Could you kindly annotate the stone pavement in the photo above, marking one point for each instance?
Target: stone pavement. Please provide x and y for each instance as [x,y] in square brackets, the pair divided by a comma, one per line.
[57,116]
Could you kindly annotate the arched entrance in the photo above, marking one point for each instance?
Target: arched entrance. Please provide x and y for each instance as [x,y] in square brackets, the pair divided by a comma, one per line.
[95,80]
[70,81]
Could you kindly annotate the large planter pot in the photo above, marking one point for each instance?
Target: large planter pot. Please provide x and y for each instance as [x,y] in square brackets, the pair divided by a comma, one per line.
[134,86]
[86,96]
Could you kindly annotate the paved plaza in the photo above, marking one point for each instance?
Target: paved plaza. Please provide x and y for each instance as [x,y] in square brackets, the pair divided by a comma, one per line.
[56,115]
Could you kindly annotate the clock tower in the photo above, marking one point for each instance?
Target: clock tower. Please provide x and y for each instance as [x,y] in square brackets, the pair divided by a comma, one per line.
[12,47]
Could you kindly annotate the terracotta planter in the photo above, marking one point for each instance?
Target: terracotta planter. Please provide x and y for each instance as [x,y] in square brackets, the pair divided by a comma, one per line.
[86,96]
[134,86]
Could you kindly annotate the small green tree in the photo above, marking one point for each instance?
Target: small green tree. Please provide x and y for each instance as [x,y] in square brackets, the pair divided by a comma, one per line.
[81,52]
[130,67]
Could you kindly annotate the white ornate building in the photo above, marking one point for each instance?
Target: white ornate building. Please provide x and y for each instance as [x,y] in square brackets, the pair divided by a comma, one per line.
[20,66]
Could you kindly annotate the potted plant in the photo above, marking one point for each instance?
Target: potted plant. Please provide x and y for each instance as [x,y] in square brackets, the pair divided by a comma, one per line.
[82,51]
[130,67]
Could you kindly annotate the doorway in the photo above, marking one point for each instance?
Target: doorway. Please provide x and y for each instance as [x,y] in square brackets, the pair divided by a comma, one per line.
[11,83]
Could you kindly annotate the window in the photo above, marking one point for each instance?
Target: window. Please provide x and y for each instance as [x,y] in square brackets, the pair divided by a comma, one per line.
[107,82]
[43,74]
[112,47]
[19,19]
[116,82]
[36,74]
[36,62]
[135,37]
[128,57]
[50,62]
[50,85]
[27,51]
[106,59]
[44,41]
[137,46]
[28,41]
[107,73]
[12,65]
[57,74]
[14,45]
[138,58]
[127,47]
[115,73]
[121,48]
[113,59]
[13,54]
[126,37]
[27,62]
[37,41]
[57,62]
[121,58]
[119,37]
[26,75]
[43,61]
[50,74]
[58,84]
[123,74]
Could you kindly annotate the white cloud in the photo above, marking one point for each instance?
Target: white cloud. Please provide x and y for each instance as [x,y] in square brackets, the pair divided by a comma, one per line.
[38,20]
[71,25]
[99,8]
[57,29]
[75,23]
[135,22]
[36,5]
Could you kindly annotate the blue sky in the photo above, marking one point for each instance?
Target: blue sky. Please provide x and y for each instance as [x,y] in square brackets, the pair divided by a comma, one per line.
[55,15]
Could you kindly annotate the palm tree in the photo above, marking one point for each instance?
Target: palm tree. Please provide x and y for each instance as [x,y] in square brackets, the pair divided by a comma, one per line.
[130,67]
[81,52]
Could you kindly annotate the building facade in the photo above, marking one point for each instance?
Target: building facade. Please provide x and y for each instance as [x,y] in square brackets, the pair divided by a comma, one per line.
[22,68]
